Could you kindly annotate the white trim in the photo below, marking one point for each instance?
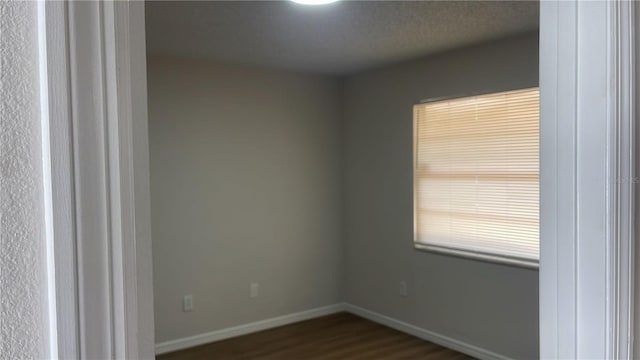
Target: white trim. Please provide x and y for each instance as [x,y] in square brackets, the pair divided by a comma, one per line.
[47,180]
[448,342]
[131,41]
[636,309]
[95,52]
[59,169]
[201,339]
[622,167]
[470,254]
[91,160]
[586,261]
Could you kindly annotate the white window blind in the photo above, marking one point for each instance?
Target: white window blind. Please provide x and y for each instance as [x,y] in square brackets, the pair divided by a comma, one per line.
[476,175]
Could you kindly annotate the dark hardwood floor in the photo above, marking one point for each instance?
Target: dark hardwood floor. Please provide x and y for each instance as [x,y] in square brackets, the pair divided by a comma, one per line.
[339,336]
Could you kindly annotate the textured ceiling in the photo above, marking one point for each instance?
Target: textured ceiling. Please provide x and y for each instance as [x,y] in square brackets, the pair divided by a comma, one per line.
[339,38]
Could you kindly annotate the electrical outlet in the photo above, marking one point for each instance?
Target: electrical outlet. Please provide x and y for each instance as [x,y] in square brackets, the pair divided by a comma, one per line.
[253,290]
[187,303]
[403,288]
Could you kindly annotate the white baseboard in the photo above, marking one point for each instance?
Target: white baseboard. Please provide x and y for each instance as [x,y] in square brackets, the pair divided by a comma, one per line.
[201,339]
[431,336]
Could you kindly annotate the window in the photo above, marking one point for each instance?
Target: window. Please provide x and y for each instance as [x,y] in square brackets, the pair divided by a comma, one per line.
[476,176]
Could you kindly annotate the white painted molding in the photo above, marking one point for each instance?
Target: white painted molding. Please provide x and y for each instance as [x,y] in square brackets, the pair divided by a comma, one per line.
[59,170]
[622,166]
[448,342]
[132,38]
[586,209]
[201,339]
[125,56]
[96,87]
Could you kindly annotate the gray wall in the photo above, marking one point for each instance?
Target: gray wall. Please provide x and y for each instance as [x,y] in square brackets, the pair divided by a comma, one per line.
[488,305]
[23,291]
[245,187]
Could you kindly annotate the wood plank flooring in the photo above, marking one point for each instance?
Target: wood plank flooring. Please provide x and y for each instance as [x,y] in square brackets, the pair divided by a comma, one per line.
[338,336]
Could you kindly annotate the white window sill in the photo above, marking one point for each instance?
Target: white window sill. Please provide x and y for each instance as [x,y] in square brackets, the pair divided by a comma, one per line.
[497,259]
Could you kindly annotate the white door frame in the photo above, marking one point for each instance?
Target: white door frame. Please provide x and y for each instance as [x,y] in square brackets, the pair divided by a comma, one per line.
[587,188]
[96,121]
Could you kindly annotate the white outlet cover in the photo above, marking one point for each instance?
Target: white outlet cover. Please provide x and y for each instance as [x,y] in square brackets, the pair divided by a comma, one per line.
[187,303]
[253,290]
[403,288]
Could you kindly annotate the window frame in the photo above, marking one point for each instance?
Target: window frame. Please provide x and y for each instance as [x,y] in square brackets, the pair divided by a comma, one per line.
[461,253]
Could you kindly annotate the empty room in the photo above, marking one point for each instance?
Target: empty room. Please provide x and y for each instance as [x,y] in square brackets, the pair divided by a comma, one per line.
[344,180]
[285,178]
[319,179]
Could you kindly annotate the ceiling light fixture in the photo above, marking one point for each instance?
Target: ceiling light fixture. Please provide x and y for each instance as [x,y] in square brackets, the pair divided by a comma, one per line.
[314,2]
